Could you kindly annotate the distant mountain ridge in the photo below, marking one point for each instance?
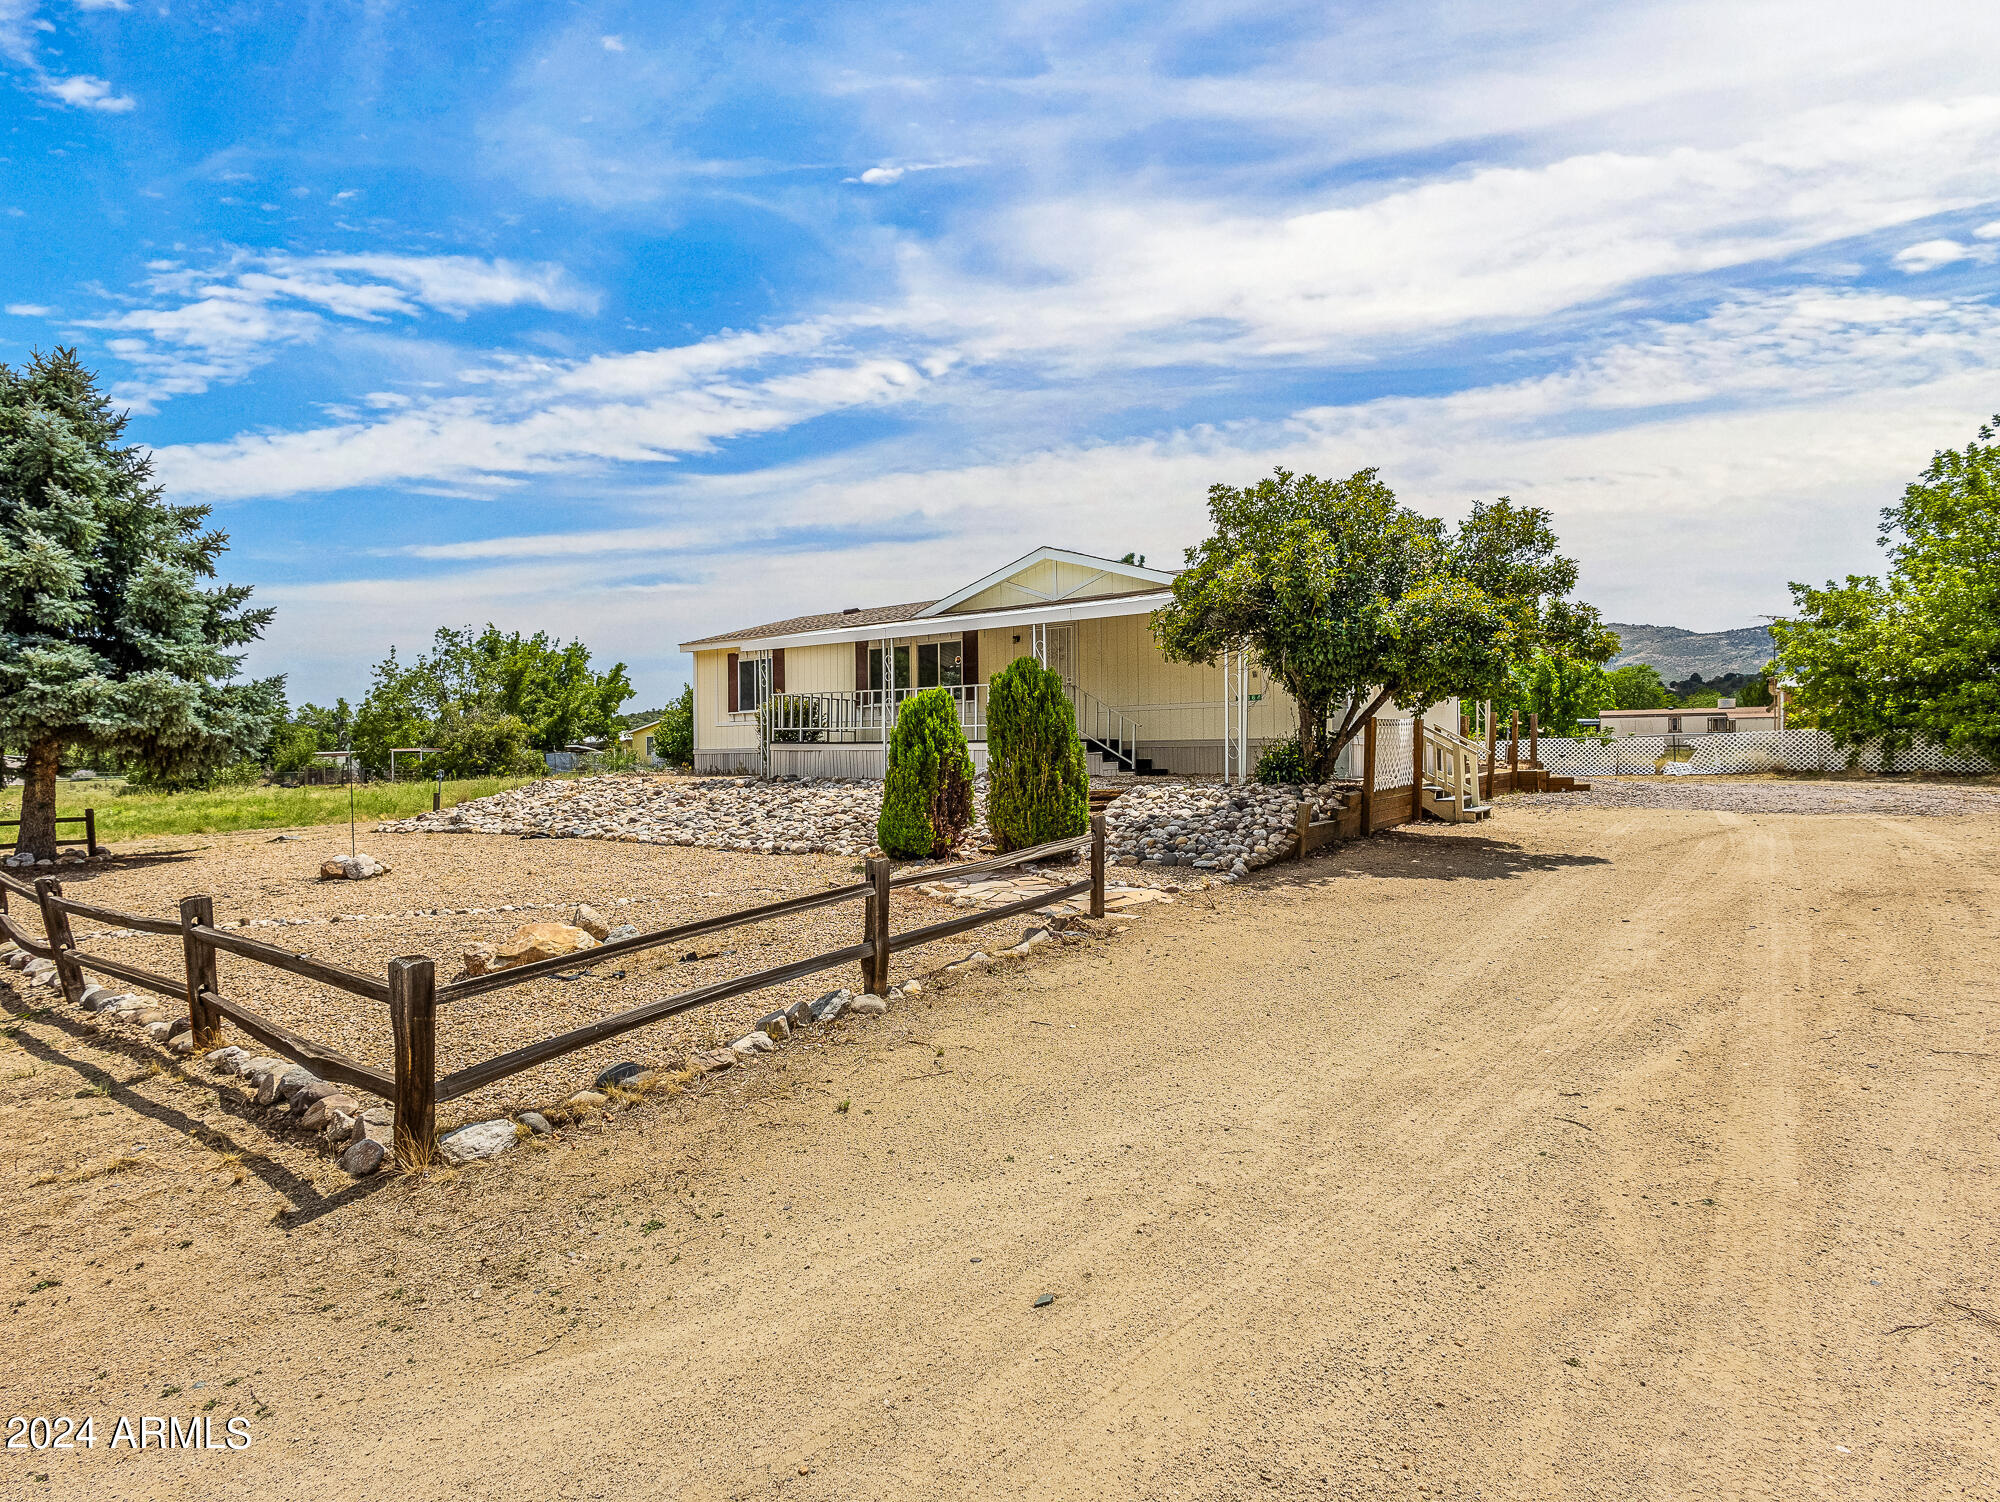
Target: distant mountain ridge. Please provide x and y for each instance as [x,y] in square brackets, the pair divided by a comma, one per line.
[1678,654]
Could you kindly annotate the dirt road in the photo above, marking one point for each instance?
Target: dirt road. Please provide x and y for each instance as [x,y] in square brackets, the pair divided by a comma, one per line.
[1582,1153]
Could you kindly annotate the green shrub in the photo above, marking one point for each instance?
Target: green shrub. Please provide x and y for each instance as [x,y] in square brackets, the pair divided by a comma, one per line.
[1282,763]
[482,745]
[927,796]
[673,741]
[1038,788]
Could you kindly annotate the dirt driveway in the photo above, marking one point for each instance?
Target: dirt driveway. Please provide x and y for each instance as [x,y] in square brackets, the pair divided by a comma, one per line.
[1582,1153]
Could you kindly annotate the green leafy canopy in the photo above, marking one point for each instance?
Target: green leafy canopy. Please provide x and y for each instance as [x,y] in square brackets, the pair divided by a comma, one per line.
[1915,655]
[1353,601]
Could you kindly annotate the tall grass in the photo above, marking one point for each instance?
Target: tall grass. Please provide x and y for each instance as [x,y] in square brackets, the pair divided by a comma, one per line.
[128,813]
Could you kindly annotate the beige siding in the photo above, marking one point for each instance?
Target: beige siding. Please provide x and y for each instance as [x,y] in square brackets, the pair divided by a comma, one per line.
[1051,579]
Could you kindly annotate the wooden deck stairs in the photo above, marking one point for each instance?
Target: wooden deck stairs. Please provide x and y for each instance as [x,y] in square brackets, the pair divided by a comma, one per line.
[1451,779]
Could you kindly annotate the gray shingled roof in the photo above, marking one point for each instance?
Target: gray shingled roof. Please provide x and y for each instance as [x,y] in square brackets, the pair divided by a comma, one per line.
[873,615]
[889,615]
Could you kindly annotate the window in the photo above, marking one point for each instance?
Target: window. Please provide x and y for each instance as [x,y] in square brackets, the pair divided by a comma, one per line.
[753,679]
[902,667]
[939,664]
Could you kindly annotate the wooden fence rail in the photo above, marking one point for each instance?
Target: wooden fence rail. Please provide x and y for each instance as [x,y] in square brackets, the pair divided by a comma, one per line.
[88,819]
[412,994]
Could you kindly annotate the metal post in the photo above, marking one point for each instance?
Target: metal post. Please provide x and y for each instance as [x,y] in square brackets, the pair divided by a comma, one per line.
[1097,865]
[437,794]
[55,927]
[413,1021]
[202,972]
[1242,717]
[1492,731]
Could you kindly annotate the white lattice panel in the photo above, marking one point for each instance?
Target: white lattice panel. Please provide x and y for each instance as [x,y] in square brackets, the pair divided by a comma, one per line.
[1393,750]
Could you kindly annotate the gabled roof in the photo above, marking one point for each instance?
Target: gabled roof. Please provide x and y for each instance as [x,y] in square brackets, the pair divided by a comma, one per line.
[1095,586]
[1102,569]
[874,615]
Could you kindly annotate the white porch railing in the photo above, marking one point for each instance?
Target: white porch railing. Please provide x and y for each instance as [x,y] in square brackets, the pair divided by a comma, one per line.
[837,718]
[1111,733]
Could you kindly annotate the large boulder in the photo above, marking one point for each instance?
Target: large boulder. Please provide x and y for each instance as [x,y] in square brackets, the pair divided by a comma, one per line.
[482,1139]
[541,941]
[352,868]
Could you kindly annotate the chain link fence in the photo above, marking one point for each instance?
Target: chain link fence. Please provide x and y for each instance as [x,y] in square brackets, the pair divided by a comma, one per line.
[1739,751]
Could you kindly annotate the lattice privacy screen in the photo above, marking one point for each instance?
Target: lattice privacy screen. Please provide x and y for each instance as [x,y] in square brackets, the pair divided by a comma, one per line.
[1736,751]
[1393,751]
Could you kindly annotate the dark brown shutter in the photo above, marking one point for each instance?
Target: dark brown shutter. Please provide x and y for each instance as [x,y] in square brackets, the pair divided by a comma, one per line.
[732,683]
[777,670]
[860,666]
[968,662]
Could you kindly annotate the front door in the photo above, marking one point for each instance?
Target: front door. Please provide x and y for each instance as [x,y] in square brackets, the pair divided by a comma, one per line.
[1060,651]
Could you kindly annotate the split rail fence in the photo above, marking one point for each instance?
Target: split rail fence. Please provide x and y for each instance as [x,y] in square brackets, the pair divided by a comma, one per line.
[412,994]
[88,819]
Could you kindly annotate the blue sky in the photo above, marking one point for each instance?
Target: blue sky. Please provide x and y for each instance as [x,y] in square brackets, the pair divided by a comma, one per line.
[637,323]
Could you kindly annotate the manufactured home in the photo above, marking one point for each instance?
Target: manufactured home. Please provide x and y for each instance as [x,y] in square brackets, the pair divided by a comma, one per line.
[814,695]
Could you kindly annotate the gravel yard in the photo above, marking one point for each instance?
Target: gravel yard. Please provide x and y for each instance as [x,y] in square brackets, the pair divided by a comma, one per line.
[418,908]
[1778,795]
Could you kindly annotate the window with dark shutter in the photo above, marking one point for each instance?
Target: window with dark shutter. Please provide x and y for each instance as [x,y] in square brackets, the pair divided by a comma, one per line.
[777,670]
[732,683]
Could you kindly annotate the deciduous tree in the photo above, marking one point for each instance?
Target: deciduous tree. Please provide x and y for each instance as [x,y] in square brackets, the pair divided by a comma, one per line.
[1915,655]
[1352,601]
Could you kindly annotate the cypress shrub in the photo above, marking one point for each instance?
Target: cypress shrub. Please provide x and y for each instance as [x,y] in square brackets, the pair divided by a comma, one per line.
[927,796]
[1038,788]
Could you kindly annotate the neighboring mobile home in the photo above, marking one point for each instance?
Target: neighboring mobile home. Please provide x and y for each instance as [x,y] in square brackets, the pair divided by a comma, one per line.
[811,696]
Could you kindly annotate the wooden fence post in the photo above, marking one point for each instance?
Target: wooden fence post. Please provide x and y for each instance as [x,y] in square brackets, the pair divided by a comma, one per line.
[413,1019]
[202,972]
[1417,769]
[1514,753]
[1492,732]
[1097,865]
[55,926]
[1305,820]
[1368,777]
[877,911]
[1534,740]
[90,831]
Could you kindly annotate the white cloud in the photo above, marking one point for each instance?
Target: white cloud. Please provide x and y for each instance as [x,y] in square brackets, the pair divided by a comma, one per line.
[218,324]
[86,92]
[1928,255]
[612,43]
[30,310]
[1098,280]
[526,418]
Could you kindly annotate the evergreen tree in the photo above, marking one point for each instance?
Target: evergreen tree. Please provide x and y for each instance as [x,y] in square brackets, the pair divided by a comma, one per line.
[1038,788]
[927,796]
[111,641]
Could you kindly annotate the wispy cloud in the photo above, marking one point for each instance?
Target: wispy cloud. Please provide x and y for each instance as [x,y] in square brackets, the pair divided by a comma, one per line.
[21,25]
[216,324]
[523,418]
